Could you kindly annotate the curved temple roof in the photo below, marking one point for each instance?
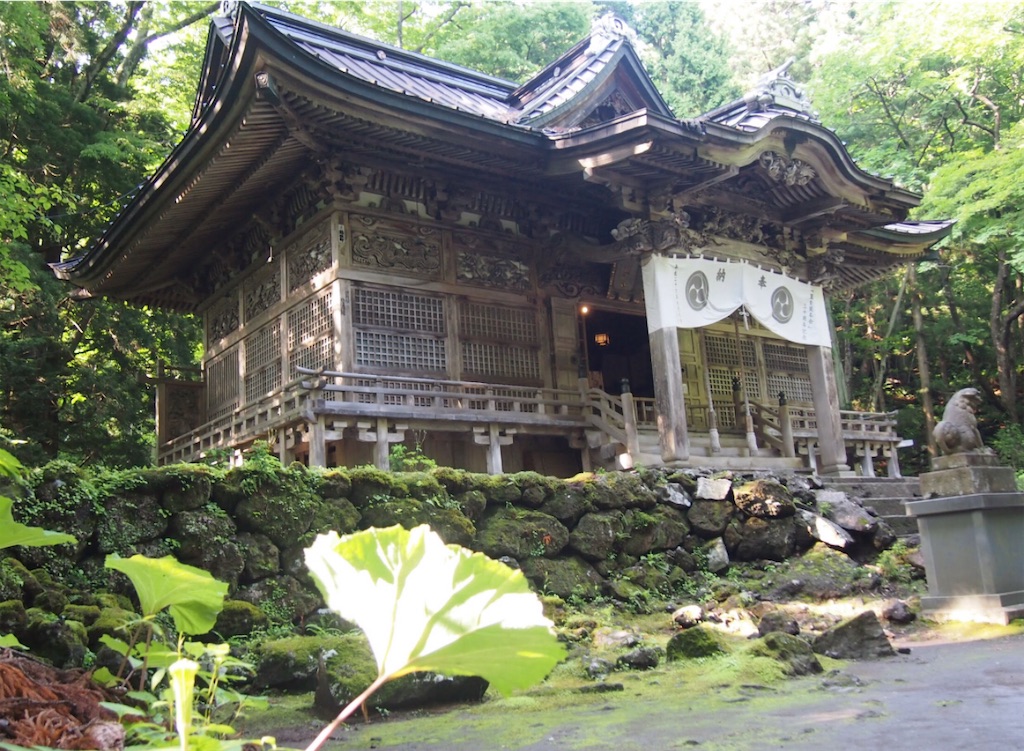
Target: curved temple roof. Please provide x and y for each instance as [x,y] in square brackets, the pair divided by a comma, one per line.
[279,93]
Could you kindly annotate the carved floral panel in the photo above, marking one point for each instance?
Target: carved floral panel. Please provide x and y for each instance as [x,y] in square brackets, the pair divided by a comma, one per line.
[222,319]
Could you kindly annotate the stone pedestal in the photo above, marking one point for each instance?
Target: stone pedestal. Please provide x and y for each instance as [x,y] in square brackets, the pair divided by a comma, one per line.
[972,540]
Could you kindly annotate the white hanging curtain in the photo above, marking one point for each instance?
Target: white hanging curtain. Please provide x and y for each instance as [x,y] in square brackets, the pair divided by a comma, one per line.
[691,293]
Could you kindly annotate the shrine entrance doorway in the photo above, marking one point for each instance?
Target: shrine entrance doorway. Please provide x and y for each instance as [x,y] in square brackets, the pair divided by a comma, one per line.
[617,347]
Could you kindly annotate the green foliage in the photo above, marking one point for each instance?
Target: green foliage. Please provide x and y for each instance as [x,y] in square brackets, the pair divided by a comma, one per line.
[193,596]
[404,459]
[425,606]
[12,533]
[686,58]
[892,563]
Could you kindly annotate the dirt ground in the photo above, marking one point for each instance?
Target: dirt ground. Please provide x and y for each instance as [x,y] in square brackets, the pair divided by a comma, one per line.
[954,690]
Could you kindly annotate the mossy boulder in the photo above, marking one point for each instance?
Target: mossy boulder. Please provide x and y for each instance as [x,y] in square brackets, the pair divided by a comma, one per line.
[111,621]
[336,514]
[128,520]
[564,577]
[454,480]
[87,615]
[335,484]
[694,643]
[536,488]
[201,529]
[61,499]
[567,504]
[283,598]
[184,487]
[660,528]
[12,616]
[794,653]
[424,487]
[520,534]
[348,667]
[769,539]
[12,584]
[371,486]
[224,561]
[619,490]
[261,556]
[280,503]
[291,663]
[61,643]
[857,638]
[448,522]
[597,533]
[764,498]
[709,518]
[499,489]
[51,599]
[238,618]
[473,504]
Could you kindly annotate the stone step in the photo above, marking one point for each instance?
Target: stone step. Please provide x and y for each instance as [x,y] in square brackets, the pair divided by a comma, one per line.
[886,506]
[865,488]
[902,525]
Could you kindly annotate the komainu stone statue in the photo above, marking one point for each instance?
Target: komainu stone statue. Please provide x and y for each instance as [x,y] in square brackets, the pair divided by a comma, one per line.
[957,433]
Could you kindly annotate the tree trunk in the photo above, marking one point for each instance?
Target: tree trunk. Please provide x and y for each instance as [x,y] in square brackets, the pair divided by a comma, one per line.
[1001,327]
[925,390]
[883,365]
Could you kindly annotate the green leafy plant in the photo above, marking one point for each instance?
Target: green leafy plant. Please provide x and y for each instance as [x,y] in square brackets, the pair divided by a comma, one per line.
[186,674]
[401,458]
[427,606]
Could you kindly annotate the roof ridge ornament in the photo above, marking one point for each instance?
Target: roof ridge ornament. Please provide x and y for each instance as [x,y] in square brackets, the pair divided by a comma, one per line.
[607,29]
[777,90]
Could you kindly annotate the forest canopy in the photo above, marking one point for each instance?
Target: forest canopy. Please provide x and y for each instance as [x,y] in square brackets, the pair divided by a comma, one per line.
[95,95]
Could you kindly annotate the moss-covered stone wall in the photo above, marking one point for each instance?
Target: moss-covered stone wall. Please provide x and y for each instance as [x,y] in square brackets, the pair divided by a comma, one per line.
[616,535]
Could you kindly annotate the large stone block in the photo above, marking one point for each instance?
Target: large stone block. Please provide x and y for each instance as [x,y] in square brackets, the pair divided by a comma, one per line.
[973,556]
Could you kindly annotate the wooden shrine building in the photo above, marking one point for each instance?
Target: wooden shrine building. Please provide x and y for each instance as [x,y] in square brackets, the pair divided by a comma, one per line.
[550,276]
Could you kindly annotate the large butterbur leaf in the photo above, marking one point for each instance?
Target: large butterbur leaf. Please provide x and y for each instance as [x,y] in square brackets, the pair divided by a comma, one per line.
[427,606]
[14,533]
[193,597]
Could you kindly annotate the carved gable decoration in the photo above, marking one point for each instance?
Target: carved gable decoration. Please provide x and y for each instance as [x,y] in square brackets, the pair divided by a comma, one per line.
[614,104]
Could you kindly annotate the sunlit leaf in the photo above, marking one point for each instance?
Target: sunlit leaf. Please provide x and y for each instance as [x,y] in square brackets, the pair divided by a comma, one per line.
[11,641]
[427,606]
[193,597]
[15,533]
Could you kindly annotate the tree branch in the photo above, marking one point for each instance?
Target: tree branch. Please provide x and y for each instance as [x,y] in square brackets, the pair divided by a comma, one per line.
[107,54]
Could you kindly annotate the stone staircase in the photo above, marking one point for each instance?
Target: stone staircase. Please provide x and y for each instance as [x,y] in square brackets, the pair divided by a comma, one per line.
[885,496]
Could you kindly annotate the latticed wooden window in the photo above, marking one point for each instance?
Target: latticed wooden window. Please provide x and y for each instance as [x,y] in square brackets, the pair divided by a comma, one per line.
[724,364]
[311,334]
[263,362]
[499,342]
[788,372]
[222,384]
[399,330]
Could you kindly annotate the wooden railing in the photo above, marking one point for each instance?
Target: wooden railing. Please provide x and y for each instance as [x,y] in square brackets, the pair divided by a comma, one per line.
[355,394]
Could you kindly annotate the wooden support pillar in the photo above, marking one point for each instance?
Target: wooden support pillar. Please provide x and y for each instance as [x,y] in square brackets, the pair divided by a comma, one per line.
[317,442]
[826,411]
[668,395]
[494,439]
[786,426]
[867,463]
[629,418]
[382,437]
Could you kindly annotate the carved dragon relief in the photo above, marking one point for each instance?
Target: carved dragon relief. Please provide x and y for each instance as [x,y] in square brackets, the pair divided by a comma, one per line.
[406,246]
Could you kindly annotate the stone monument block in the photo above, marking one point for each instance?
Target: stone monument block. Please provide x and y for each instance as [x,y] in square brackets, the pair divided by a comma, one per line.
[972,539]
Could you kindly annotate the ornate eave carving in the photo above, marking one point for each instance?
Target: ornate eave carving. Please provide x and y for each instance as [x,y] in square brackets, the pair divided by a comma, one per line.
[783,169]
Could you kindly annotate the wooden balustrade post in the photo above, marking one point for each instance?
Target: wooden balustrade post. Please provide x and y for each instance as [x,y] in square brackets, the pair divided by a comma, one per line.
[629,420]
[786,427]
